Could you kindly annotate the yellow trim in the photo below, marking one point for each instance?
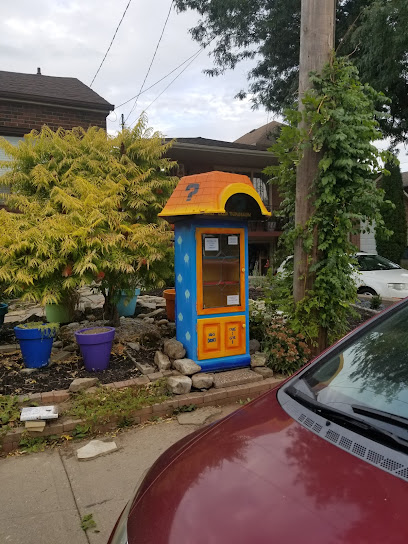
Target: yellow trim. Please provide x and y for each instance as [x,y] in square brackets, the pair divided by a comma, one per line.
[199,246]
[235,188]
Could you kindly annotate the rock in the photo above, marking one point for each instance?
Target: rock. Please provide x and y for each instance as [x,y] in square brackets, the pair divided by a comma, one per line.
[95,448]
[264,371]
[186,366]
[60,356]
[144,368]
[71,347]
[162,361]
[202,381]
[235,377]
[80,384]
[149,319]
[167,373]
[171,326]
[179,385]
[155,376]
[134,345]
[163,322]
[57,344]
[254,345]
[144,304]
[155,313]
[258,359]
[91,317]
[74,325]
[198,417]
[8,348]
[174,349]
[28,371]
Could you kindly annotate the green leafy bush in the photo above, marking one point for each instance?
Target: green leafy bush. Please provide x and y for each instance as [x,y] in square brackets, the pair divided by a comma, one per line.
[287,350]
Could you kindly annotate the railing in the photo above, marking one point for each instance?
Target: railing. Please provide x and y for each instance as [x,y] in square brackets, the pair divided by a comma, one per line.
[271,224]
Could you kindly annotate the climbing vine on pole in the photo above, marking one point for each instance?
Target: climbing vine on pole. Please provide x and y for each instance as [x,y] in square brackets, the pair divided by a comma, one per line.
[342,114]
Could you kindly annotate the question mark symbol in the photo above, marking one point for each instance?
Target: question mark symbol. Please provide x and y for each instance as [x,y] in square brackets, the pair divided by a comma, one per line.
[193,188]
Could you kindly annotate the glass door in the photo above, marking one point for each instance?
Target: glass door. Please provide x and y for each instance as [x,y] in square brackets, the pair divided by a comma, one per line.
[221,270]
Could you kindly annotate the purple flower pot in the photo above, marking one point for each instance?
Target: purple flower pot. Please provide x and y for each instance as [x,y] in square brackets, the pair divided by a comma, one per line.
[95,347]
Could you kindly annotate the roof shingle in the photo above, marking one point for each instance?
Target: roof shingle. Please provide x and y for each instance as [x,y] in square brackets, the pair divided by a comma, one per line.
[59,90]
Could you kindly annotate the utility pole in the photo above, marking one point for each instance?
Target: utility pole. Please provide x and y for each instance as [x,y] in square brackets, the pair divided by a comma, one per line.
[122,121]
[317,27]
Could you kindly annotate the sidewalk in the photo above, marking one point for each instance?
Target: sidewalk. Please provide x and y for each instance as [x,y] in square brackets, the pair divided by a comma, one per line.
[45,495]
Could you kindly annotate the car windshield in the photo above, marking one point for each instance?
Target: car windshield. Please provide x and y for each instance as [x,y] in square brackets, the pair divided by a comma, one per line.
[371,372]
[368,263]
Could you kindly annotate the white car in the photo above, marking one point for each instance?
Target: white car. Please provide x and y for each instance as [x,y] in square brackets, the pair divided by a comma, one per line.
[375,275]
[378,276]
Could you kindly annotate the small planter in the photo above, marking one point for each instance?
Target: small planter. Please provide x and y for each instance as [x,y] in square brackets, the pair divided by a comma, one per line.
[58,313]
[3,311]
[170,296]
[126,304]
[96,346]
[35,341]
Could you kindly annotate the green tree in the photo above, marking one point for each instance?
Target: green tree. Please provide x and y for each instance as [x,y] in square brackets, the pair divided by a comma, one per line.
[87,212]
[394,218]
[372,31]
[341,113]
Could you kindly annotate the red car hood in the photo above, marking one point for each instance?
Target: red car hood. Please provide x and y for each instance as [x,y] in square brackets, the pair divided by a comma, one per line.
[260,477]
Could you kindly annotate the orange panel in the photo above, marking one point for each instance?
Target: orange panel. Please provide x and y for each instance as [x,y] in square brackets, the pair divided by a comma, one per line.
[221,337]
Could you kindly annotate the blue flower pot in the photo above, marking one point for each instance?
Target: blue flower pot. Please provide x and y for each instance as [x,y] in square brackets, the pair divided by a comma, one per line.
[35,345]
[126,305]
[3,311]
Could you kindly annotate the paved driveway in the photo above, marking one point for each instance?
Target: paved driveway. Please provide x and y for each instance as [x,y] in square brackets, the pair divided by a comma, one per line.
[45,495]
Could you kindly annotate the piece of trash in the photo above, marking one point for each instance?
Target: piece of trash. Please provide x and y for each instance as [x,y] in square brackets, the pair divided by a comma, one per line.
[38,412]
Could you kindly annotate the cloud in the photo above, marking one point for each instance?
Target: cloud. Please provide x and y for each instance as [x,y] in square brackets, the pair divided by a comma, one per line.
[69,38]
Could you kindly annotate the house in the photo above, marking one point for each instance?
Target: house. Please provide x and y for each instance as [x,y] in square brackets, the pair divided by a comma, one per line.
[249,156]
[29,101]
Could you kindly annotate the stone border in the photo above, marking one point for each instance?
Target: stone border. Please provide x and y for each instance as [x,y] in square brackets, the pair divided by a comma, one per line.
[11,440]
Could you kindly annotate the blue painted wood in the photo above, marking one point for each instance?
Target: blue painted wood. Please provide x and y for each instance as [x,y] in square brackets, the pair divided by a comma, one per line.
[186,292]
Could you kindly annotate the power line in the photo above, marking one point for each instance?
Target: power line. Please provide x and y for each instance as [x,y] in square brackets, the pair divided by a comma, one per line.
[154,56]
[110,45]
[173,80]
[161,79]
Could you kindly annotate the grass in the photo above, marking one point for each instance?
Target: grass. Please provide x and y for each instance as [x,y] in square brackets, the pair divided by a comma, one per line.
[9,412]
[87,522]
[101,406]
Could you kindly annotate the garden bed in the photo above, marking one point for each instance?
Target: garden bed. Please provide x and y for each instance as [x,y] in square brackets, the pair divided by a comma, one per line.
[15,381]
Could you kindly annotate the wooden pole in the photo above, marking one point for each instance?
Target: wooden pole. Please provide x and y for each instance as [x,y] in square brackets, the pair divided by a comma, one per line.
[316,43]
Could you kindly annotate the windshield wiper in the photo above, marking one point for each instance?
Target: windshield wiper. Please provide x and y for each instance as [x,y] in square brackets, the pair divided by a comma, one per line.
[341,417]
[387,417]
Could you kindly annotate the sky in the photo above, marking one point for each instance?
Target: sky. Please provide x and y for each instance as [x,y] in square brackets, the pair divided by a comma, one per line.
[70,37]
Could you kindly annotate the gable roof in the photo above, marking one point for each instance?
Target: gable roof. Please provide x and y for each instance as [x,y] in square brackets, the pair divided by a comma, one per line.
[57,90]
[262,137]
[212,143]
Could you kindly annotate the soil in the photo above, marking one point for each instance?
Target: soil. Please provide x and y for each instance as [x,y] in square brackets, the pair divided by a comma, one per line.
[15,381]
[96,330]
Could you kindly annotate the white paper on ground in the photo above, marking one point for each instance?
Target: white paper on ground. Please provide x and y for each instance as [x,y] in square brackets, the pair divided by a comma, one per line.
[39,412]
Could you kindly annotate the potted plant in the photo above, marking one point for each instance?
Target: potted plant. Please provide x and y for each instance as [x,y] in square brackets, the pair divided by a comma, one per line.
[62,311]
[35,341]
[170,296]
[96,346]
